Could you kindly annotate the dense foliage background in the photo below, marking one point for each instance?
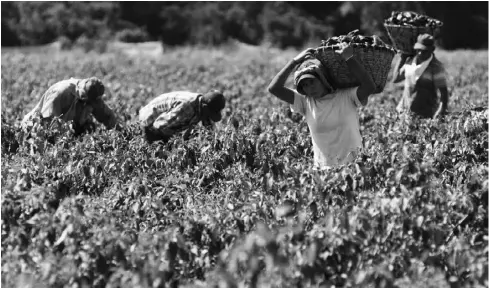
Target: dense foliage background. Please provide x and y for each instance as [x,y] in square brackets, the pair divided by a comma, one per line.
[238,206]
[280,24]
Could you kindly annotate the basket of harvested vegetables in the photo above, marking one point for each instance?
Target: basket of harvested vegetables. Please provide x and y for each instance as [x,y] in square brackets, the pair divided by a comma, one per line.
[403,29]
[371,51]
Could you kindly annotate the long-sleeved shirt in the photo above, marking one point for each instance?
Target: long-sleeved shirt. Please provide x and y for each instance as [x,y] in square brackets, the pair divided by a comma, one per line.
[422,97]
[63,100]
[172,112]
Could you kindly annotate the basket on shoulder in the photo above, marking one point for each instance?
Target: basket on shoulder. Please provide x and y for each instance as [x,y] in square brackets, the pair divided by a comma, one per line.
[404,27]
[371,52]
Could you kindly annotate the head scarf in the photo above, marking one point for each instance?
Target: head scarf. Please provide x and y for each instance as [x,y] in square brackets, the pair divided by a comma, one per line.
[425,42]
[311,67]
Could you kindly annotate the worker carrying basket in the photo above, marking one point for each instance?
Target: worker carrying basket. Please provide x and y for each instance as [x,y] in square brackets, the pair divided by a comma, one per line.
[404,28]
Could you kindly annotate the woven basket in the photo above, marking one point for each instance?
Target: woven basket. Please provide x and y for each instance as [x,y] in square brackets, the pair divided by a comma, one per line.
[404,37]
[375,58]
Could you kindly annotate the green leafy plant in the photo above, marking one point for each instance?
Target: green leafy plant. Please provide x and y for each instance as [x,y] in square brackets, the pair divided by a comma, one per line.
[239,205]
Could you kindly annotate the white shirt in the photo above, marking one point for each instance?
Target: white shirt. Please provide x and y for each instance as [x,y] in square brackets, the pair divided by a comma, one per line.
[334,125]
[413,71]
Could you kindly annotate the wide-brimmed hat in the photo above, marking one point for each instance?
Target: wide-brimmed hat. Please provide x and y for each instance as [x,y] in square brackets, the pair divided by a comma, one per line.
[425,42]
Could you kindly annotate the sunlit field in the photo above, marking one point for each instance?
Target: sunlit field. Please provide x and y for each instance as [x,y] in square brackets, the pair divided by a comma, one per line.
[239,205]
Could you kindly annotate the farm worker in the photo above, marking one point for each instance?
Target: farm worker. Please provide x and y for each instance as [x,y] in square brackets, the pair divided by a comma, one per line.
[73,100]
[330,113]
[423,76]
[177,111]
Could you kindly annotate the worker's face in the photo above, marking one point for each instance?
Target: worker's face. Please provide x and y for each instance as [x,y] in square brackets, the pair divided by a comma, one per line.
[313,88]
[422,55]
[210,114]
[214,108]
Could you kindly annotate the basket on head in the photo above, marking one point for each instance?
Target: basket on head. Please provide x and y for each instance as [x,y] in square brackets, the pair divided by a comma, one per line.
[404,37]
[404,34]
[376,57]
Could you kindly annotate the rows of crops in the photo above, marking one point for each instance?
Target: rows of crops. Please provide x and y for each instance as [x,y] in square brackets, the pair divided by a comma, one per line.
[239,206]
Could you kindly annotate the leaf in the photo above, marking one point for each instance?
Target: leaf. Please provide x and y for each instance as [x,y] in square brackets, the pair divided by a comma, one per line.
[360,277]
[419,221]
[284,210]
[399,175]
[34,220]
[345,221]
[312,253]
[136,207]
[64,234]
[329,221]
[314,209]
[270,181]
[206,148]
[264,232]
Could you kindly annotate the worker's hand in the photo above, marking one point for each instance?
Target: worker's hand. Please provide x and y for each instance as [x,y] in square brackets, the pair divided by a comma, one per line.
[440,112]
[345,51]
[304,54]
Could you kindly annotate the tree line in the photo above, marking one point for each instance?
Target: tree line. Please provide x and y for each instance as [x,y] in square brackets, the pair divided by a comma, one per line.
[279,24]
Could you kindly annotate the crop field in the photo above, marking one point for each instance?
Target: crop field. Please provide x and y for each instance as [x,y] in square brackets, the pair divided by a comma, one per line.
[239,205]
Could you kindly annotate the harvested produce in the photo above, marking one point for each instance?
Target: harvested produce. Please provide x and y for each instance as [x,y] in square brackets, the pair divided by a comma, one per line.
[404,28]
[371,51]
[353,38]
[408,18]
